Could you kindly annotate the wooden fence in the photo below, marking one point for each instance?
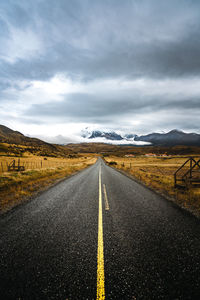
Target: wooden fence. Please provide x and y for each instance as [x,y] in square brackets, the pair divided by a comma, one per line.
[22,164]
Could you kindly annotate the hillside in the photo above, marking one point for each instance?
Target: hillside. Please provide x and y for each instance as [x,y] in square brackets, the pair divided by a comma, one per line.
[14,142]
[10,136]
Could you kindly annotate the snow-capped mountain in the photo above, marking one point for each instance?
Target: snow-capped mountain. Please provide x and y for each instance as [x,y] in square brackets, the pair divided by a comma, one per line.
[110,137]
[130,136]
[171,138]
[86,133]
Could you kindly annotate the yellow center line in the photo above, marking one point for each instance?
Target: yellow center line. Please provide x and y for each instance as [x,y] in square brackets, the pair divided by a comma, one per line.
[100,256]
[106,198]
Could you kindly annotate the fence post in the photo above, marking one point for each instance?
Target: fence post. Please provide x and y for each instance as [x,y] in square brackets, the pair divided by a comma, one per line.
[175,180]
[190,167]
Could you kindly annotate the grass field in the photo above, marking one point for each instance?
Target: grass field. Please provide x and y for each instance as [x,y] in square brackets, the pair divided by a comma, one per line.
[17,187]
[158,173]
[33,162]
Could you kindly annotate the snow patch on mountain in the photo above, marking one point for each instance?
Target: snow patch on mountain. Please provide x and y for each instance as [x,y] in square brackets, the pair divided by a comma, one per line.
[110,137]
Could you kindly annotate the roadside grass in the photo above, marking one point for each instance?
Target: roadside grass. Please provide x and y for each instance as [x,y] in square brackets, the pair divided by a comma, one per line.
[157,173]
[17,187]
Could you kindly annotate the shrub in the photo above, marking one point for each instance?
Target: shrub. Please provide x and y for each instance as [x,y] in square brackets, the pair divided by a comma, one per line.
[112,163]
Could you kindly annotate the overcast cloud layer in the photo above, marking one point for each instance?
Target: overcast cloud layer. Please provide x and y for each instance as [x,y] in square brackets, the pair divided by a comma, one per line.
[129,66]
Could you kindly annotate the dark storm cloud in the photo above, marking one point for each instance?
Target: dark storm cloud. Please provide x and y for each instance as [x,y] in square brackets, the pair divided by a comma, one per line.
[91,108]
[97,39]
[92,41]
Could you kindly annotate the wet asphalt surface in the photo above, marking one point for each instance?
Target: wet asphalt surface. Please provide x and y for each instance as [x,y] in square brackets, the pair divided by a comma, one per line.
[48,246]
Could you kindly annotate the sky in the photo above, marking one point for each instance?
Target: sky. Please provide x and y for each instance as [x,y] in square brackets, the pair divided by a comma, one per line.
[130,66]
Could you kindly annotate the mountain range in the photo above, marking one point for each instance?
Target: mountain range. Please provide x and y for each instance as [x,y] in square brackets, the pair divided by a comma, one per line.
[172,138]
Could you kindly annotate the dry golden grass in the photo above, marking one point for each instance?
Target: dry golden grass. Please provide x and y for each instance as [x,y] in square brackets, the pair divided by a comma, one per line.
[158,173]
[32,162]
[16,187]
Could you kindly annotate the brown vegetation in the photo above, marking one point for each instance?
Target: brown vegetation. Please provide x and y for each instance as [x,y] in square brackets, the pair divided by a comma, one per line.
[116,150]
[48,150]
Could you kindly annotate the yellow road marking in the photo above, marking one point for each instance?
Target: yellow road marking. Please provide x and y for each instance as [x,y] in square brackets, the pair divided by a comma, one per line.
[100,256]
[106,198]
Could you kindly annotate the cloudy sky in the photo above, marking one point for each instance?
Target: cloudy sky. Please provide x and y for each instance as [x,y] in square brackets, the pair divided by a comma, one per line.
[131,66]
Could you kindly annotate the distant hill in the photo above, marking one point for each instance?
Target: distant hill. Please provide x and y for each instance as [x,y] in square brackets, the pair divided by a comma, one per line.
[33,145]
[172,138]
[119,150]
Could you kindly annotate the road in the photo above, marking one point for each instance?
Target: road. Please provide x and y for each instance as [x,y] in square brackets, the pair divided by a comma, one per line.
[147,247]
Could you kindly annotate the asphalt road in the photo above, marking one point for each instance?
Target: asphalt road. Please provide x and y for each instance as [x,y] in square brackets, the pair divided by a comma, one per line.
[147,247]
